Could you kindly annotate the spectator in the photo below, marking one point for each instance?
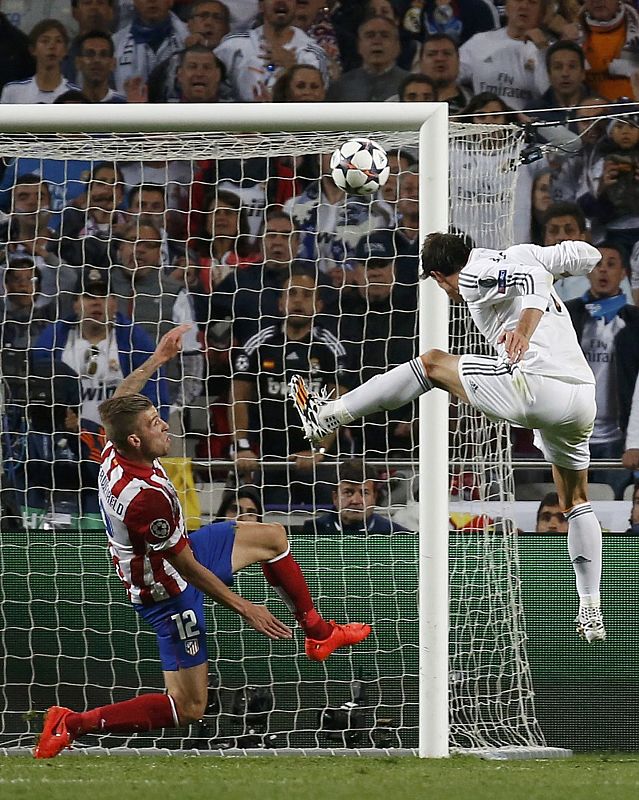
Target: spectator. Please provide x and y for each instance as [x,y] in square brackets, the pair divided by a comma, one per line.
[16,61]
[460,20]
[299,84]
[406,236]
[22,319]
[87,233]
[151,298]
[91,16]
[379,76]
[314,18]
[541,201]
[262,372]
[95,62]
[208,24]
[150,200]
[377,325]
[242,504]
[509,62]
[29,233]
[72,97]
[471,212]
[550,516]
[100,345]
[251,297]
[209,21]
[607,327]
[332,222]
[611,47]
[566,66]
[634,511]
[399,162]
[634,273]
[157,301]
[253,60]
[226,243]
[48,42]
[565,222]
[616,176]
[417,88]
[198,76]
[439,61]
[154,34]
[354,507]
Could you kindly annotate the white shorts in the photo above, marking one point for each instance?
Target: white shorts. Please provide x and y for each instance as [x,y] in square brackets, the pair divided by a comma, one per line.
[561,414]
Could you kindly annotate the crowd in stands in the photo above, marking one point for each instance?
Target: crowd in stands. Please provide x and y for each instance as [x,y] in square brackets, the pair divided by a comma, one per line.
[276,270]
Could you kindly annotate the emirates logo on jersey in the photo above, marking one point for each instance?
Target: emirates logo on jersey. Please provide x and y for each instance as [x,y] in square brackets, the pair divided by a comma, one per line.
[160,528]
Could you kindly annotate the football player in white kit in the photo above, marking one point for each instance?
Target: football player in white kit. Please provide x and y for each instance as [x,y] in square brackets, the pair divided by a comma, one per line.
[538,378]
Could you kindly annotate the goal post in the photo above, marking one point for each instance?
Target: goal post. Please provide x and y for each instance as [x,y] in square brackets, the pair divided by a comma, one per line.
[473,680]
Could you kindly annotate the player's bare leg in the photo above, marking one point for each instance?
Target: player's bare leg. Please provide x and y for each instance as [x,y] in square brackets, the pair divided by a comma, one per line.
[584,546]
[392,389]
[257,542]
[188,688]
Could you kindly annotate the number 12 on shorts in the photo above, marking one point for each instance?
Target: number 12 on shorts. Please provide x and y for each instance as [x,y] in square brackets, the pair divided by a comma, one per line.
[186,624]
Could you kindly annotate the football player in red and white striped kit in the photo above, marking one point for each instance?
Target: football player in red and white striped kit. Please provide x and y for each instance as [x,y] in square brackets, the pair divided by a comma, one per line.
[166,573]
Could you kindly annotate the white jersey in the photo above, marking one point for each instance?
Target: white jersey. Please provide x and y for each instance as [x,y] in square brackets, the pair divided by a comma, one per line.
[512,69]
[499,285]
[247,66]
[143,519]
[138,59]
[29,92]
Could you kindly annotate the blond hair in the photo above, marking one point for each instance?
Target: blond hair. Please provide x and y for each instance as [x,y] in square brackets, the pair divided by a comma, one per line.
[119,416]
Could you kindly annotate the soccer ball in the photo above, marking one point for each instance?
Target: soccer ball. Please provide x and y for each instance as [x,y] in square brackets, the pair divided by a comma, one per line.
[360,166]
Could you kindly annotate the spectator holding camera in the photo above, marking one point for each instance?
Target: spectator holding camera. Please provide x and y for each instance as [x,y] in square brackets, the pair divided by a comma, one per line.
[615,206]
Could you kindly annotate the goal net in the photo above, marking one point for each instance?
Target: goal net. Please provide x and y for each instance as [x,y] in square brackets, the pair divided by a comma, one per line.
[215,228]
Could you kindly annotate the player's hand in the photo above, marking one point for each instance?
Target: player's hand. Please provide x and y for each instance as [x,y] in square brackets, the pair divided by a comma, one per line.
[305,459]
[261,619]
[516,345]
[171,343]
[246,461]
[630,459]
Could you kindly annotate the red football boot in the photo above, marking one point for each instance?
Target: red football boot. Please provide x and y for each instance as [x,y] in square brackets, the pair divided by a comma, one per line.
[341,636]
[55,736]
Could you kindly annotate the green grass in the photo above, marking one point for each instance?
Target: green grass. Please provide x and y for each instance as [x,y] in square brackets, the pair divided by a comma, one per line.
[601,777]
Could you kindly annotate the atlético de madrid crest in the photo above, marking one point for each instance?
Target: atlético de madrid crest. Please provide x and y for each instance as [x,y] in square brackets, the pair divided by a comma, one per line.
[192,647]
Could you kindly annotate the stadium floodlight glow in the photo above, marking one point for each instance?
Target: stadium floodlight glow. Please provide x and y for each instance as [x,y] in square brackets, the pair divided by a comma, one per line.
[473,675]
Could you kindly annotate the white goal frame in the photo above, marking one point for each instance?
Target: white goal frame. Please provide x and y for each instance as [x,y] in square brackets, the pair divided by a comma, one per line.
[431,121]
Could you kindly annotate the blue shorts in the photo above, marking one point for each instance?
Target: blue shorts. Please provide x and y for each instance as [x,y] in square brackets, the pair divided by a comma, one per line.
[179,621]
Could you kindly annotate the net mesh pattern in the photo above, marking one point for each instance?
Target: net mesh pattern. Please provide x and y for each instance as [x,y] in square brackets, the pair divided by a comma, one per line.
[189,252]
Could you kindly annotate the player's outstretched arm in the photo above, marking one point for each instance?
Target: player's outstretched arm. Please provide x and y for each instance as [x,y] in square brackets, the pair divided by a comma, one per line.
[258,617]
[168,347]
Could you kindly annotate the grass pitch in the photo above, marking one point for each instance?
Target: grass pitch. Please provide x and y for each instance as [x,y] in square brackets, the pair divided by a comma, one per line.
[339,778]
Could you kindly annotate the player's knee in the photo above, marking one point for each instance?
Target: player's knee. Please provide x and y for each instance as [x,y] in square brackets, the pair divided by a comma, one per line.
[189,709]
[431,360]
[275,538]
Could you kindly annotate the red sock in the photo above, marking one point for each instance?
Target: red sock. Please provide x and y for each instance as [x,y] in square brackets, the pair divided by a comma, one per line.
[286,577]
[143,713]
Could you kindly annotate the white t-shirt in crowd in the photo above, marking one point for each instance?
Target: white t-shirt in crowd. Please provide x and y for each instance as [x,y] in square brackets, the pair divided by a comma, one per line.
[29,92]
[510,68]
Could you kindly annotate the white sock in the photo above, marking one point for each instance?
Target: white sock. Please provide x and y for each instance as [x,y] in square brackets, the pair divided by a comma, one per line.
[385,392]
[584,547]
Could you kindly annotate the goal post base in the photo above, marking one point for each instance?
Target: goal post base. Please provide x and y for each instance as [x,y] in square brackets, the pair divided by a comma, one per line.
[522,753]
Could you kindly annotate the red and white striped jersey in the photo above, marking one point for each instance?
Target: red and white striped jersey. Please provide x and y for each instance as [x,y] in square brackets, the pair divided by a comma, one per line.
[143,519]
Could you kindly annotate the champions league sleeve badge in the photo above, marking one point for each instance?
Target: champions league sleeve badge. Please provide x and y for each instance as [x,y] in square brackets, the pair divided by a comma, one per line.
[160,528]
